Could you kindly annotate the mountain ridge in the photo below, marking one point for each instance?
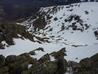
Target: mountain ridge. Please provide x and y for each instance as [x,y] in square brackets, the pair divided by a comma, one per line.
[19,9]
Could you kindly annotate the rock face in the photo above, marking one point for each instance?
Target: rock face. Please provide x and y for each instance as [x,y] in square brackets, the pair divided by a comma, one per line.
[25,64]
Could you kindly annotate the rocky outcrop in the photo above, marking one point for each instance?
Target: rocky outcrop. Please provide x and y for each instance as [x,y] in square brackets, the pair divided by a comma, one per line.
[96,34]
[88,66]
[25,64]
[10,30]
[61,62]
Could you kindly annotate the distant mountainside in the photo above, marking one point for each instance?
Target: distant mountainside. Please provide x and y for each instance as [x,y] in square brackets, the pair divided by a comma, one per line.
[17,9]
[74,27]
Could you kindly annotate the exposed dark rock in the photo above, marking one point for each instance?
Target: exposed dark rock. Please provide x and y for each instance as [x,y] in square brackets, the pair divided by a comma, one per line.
[2,60]
[4,70]
[39,49]
[62,27]
[96,34]
[19,64]
[78,25]
[88,66]
[55,18]
[32,53]
[2,46]
[39,23]
[60,53]
[51,29]
[51,67]
[86,12]
[10,30]
[61,62]
[44,58]
[10,59]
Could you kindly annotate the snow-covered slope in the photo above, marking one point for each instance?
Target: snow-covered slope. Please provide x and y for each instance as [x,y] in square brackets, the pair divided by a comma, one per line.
[72,26]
